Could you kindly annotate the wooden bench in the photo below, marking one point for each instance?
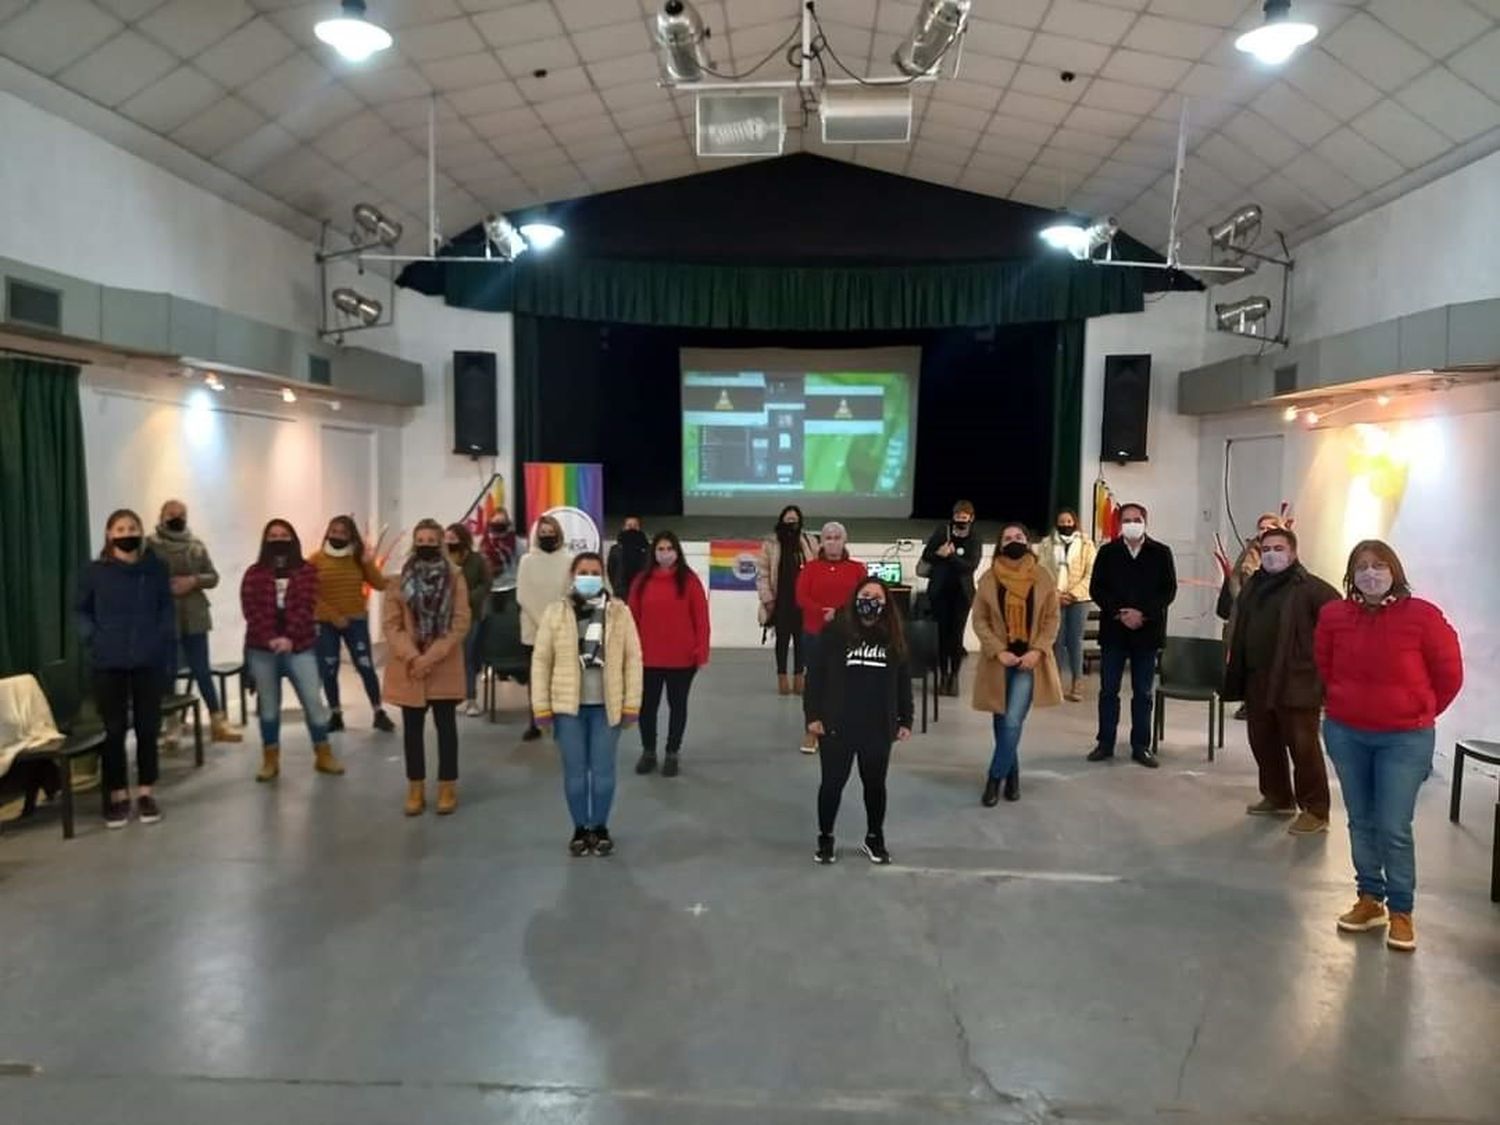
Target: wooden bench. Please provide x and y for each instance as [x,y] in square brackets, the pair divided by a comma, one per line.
[1485,752]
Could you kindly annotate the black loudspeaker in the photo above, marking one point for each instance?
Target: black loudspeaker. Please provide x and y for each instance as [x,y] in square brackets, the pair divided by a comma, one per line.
[1127,408]
[475,425]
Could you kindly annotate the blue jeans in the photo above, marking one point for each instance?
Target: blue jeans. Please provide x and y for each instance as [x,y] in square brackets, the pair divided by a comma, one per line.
[192,653]
[473,658]
[588,743]
[1019,685]
[1112,661]
[1069,645]
[356,637]
[266,669]
[1380,773]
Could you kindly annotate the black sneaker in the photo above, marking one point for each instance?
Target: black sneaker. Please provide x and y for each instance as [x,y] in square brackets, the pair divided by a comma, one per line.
[147,811]
[825,853]
[382,721]
[1100,754]
[1145,758]
[874,847]
[117,814]
[670,768]
[603,845]
[581,844]
[532,734]
[647,764]
[335,721]
[1013,784]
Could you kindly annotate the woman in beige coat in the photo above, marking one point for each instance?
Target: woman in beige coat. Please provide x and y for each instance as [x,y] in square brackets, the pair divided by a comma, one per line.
[426,617]
[1015,618]
[586,681]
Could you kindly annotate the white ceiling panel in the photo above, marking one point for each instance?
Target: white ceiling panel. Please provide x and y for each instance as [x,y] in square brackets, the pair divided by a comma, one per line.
[1389,88]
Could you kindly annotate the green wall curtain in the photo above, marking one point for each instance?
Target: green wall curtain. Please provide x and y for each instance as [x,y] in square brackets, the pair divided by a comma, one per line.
[796,298]
[1067,417]
[44,537]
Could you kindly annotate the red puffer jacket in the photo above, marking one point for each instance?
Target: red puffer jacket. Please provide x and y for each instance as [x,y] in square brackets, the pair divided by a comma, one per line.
[826,585]
[1392,668]
[258,604]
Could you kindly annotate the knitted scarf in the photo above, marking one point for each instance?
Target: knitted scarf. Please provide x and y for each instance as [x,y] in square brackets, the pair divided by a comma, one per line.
[1016,579]
[591,640]
[428,590]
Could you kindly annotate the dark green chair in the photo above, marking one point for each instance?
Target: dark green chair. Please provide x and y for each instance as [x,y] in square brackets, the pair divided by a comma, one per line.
[501,650]
[1191,669]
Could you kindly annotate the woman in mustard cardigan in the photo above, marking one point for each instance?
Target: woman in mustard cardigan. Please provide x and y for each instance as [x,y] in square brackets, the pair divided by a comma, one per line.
[1015,619]
[586,681]
[345,566]
[426,616]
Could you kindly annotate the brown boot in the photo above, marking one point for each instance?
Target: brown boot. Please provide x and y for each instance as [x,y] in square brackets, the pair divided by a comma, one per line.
[221,731]
[1402,934]
[270,764]
[1366,914]
[324,760]
[416,798]
[799,684]
[447,797]
[783,684]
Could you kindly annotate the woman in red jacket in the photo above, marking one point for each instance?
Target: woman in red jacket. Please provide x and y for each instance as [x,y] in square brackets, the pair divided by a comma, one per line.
[1390,665]
[825,586]
[277,597]
[671,614]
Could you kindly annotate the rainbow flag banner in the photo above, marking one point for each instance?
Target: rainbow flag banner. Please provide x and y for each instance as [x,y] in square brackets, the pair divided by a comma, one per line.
[573,494]
[731,564]
[489,501]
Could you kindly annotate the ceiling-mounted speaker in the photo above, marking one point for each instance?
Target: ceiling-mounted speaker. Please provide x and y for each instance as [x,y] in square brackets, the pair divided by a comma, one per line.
[864,115]
[740,125]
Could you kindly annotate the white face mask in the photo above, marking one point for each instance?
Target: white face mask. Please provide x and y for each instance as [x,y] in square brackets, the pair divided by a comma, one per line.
[1274,562]
[1133,530]
[1373,582]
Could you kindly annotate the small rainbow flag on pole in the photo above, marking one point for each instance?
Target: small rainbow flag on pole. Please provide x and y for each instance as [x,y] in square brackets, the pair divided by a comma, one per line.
[489,501]
[731,564]
[1106,512]
[551,485]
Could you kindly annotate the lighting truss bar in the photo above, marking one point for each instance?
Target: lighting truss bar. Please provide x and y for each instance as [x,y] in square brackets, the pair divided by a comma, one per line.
[794,84]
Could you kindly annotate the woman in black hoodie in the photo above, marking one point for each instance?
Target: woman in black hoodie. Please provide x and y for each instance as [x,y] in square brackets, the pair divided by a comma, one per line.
[858,703]
[127,619]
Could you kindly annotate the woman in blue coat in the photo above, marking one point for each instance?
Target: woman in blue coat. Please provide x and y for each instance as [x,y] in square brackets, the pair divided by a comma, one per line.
[128,622]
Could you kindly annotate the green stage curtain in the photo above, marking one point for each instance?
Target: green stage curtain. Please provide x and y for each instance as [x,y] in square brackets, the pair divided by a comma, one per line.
[796,298]
[44,537]
[1067,416]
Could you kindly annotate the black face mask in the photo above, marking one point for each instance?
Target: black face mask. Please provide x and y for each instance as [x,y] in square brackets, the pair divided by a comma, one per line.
[454,549]
[1061,530]
[961,530]
[869,609]
[279,551]
[428,553]
[1014,551]
[788,530]
[500,527]
[177,523]
[127,543]
[548,542]
[337,544]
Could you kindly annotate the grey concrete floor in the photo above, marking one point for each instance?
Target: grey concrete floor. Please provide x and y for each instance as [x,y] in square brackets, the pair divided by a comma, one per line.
[1120,946]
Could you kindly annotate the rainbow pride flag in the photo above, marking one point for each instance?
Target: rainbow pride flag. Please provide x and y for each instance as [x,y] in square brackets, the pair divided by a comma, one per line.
[731,564]
[551,484]
[489,501]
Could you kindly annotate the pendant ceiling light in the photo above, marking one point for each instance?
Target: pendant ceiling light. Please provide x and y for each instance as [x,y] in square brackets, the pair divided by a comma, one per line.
[351,34]
[1278,38]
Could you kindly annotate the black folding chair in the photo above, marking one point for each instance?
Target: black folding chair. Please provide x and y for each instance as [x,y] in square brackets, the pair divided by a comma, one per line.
[1192,669]
[922,644]
[501,651]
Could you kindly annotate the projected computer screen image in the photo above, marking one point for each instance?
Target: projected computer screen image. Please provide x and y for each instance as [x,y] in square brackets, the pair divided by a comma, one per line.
[764,428]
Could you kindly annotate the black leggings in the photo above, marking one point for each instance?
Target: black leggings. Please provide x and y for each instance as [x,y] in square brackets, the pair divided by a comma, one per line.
[128,696]
[837,758]
[952,615]
[789,637]
[678,682]
[413,722]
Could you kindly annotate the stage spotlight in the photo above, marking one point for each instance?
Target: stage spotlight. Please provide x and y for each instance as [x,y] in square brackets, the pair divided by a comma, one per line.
[352,35]
[1237,233]
[938,25]
[541,236]
[1243,318]
[683,41]
[502,239]
[1079,240]
[370,220]
[358,307]
[1278,38]
[288,395]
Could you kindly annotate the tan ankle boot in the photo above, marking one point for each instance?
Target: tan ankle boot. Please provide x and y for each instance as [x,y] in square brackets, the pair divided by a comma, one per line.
[270,764]
[447,799]
[416,798]
[324,760]
[799,684]
[783,685]
[221,731]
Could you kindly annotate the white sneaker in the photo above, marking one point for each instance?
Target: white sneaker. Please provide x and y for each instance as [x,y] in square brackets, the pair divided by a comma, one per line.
[471,709]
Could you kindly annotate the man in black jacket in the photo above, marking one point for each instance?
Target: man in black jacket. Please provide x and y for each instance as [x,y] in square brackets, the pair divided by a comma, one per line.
[628,557]
[1135,580]
[952,555]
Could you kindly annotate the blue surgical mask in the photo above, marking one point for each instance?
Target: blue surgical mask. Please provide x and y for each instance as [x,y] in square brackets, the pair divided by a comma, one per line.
[588,585]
